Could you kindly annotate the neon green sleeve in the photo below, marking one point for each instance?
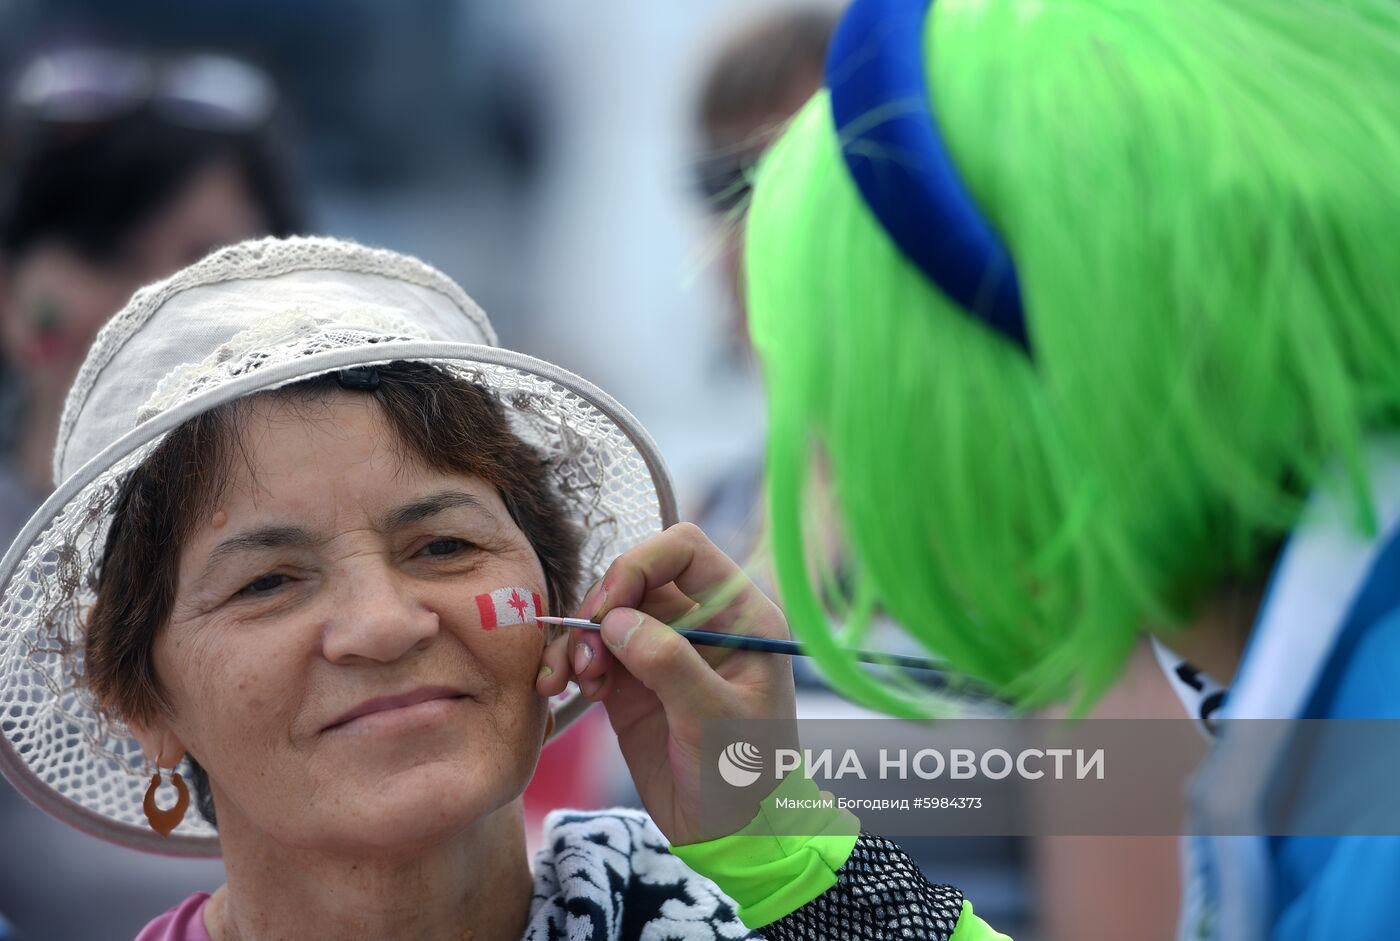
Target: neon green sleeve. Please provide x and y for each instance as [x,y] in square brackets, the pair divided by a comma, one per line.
[769,872]
[972,928]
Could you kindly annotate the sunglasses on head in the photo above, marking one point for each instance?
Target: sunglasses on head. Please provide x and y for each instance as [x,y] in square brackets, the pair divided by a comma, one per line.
[92,85]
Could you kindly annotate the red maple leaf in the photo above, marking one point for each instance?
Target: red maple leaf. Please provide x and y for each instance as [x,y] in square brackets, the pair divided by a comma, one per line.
[518,603]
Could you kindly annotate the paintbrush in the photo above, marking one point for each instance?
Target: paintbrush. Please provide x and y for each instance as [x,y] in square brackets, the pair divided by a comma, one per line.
[793,649]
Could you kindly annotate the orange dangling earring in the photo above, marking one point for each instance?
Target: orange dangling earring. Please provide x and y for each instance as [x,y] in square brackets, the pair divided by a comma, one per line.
[163,821]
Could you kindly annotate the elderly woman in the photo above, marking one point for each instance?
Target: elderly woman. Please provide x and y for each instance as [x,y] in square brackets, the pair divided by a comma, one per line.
[307,514]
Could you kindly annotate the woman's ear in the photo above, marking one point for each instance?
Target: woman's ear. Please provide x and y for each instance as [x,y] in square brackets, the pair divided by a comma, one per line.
[162,747]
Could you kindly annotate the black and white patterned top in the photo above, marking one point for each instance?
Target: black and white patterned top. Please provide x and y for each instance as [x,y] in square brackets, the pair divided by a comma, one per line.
[610,876]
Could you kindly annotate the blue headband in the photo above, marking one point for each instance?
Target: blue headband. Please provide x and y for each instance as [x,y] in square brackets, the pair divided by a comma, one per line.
[884,120]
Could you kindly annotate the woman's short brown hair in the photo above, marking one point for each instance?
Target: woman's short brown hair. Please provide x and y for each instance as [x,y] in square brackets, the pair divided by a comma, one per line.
[442,420]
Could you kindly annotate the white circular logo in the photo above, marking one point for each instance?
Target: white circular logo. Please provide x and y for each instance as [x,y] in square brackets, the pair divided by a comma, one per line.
[740,764]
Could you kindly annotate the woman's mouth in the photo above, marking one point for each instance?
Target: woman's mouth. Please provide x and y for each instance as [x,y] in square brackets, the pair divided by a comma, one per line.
[426,705]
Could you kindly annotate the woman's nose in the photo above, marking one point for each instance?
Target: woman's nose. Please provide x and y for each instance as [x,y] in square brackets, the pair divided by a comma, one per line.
[376,618]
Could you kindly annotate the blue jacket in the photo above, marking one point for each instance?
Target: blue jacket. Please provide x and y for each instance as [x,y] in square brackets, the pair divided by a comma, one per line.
[1326,646]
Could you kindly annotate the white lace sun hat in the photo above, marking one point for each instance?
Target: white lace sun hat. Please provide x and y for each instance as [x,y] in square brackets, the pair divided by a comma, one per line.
[249,318]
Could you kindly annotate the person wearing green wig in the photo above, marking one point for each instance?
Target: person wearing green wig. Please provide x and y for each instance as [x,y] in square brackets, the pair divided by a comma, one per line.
[1090,312]
[1086,314]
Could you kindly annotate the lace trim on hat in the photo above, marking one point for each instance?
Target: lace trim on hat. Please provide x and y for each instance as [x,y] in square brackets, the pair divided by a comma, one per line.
[277,339]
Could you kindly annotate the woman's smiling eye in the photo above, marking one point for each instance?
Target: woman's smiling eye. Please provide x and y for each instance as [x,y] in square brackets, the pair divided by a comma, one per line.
[264,584]
[444,546]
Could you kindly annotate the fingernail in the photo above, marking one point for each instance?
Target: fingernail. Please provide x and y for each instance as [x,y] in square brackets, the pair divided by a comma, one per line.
[545,670]
[583,656]
[619,626]
[590,688]
[594,600]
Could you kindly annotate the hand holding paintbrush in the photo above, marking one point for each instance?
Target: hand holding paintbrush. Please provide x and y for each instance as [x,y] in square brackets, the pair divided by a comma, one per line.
[657,687]
[660,683]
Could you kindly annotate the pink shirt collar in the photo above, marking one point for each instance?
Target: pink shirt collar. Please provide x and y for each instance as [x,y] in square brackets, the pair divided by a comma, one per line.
[184,922]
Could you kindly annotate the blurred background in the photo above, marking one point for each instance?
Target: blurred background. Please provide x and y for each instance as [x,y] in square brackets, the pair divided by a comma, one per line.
[579,168]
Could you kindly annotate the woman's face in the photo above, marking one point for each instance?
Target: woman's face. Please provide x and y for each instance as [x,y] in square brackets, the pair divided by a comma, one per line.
[336,571]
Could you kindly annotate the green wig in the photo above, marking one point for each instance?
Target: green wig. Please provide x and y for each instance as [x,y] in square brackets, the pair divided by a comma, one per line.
[1202,201]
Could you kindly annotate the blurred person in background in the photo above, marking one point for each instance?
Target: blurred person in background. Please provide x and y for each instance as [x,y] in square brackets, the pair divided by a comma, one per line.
[758,78]
[119,168]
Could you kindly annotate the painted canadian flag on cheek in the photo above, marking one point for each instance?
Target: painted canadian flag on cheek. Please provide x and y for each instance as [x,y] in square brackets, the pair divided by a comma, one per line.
[508,606]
